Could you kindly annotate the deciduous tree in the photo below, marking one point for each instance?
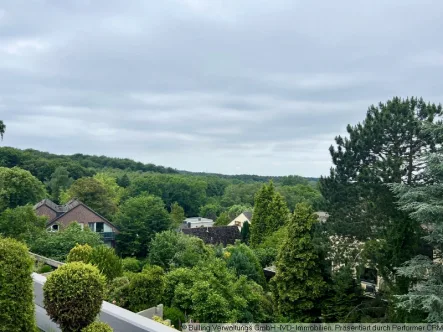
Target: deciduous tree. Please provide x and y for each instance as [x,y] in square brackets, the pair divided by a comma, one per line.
[139,219]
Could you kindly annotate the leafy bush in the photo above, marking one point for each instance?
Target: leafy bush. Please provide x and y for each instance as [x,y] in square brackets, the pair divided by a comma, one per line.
[108,263]
[116,291]
[80,253]
[98,327]
[266,256]
[174,315]
[173,249]
[131,264]
[45,269]
[56,245]
[162,321]
[16,287]
[244,262]
[73,295]
[146,288]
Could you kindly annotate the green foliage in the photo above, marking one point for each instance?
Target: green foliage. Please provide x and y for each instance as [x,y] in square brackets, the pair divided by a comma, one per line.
[80,253]
[138,220]
[124,181]
[94,194]
[237,209]
[174,315]
[266,256]
[2,129]
[301,194]
[60,181]
[210,292]
[210,211]
[240,194]
[270,213]
[244,262]
[293,180]
[222,219]
[117,291]
[171,249]
[73,295]
[97,327]
[57,245]
[245,233]
[298,283]
[131,264]
[45,269]
[18,188]
[188,192]
[177,214]
[107,262]
[424,204]
[146,289]
[21,223]
[115,192]
[16,287]
[343,298]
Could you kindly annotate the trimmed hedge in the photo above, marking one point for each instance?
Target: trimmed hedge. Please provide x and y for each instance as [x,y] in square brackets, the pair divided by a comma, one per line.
[73,295]
[98,327]
[80,253]
[16,287]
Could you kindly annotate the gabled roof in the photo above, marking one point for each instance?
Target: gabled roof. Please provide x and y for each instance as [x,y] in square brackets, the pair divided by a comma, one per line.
[248,214]
[61,210]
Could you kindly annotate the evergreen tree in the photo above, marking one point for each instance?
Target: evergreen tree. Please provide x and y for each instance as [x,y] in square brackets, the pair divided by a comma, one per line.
[298,284]
[270,213]
[344,296]
[424,203]
[387,147]
[2,129]
[59,182]
[245,233]
[124,181]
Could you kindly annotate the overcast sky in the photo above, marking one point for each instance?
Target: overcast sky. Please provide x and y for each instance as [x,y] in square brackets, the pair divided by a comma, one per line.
[228,86]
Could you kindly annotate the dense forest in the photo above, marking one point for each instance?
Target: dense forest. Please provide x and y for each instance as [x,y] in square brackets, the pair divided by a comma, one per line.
[376,259]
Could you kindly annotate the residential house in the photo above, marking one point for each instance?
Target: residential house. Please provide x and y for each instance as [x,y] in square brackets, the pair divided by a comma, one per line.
[75,211]
[241,219]
[195,222]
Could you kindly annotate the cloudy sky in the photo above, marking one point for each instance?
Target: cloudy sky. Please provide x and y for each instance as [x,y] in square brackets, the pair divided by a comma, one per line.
[229,86]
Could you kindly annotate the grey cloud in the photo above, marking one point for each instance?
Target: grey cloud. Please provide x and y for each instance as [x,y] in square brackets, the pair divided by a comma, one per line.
[221,86]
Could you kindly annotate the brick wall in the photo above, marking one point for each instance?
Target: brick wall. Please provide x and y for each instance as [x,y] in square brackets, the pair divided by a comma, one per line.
[46,211]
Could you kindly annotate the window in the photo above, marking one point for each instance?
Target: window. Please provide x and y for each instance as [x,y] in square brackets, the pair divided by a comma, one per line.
[54,228]
[99,227]
[91,225]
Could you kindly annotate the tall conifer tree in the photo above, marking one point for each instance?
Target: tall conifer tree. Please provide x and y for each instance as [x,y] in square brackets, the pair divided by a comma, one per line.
[298,283]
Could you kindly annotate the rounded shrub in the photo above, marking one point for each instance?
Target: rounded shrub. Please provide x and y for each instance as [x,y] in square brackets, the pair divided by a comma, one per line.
[108,263]
[16,287]
[80,253]
[73,295]
[146,289]
[98,327]
[131,264]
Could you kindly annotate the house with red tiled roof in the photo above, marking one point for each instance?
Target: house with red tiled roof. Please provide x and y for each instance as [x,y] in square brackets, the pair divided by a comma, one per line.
[60,216]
